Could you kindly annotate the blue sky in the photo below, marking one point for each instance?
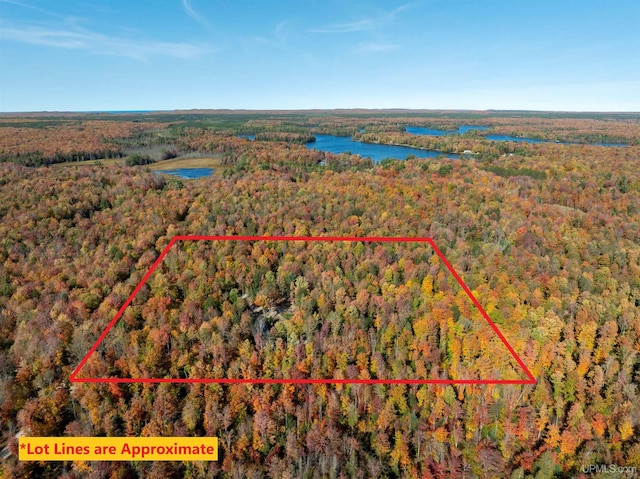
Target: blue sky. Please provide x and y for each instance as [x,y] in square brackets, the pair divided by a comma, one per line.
[270,54]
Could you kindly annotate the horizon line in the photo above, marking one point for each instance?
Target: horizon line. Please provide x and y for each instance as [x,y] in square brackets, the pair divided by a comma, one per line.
[289,110]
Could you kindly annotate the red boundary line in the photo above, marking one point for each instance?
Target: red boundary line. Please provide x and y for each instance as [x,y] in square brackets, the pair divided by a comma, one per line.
[74,378]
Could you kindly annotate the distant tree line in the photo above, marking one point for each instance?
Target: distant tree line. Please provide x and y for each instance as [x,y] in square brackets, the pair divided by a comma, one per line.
[37,158]
[286,137]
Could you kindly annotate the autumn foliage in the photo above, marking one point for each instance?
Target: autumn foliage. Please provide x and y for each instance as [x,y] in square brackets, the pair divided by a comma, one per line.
[553,258]
[64,141]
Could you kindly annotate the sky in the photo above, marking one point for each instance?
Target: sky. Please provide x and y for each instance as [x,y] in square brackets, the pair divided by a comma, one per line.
[103,55]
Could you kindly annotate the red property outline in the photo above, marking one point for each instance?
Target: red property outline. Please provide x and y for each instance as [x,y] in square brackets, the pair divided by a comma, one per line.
[75,379]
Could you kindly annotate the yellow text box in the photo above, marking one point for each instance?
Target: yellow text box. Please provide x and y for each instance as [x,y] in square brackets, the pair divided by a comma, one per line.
[118,448]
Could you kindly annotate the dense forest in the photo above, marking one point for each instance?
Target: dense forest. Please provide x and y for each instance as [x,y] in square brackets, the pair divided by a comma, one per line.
[303,310]
[546,236]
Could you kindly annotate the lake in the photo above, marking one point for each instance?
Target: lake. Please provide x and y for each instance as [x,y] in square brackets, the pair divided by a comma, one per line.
[533,140]
[188,173]
[343,144]
[516,139]
[416,130]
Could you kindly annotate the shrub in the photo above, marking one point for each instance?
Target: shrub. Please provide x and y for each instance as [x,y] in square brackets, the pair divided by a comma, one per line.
[445,170]
[138,159]
[169,154]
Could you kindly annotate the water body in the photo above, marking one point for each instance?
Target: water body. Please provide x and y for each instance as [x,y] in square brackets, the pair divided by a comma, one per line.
[607,144]
[188,173]
[466,128]
[534,140]
[343,144]
[249,137]
[517,139]
[415,130]
[125,112]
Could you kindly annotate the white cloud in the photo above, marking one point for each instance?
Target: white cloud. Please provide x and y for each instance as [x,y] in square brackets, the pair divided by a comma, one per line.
[375,47]
[97,43]
[279,37]
[30,7]
[365,24]
[193,14]
[358,26]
